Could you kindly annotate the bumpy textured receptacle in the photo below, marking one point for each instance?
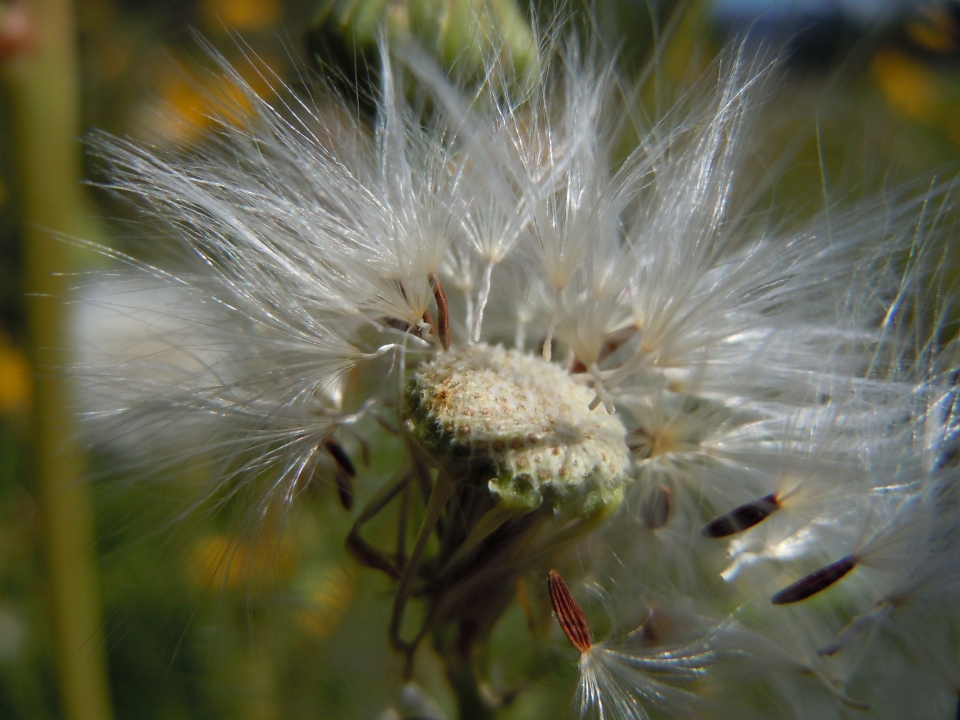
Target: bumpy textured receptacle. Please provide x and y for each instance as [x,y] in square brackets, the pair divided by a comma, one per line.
[526,424]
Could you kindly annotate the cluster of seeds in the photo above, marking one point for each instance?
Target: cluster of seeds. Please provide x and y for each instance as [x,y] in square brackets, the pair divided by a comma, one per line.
[527,423]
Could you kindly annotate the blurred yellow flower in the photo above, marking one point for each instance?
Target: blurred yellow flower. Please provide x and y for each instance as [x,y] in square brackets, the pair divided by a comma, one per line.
[16,378]
[328,594]
[220,562]
[935,31]
[243,15]
[194,100]
[909,87]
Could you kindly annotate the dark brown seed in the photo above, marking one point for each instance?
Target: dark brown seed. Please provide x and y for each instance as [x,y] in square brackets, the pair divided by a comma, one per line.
[344,472]
[571,618]
[340,456]
[428,319]
[656,627]
[641,443]
[443,312]
[655,507]
[611,343]
[344,488]
[815,582]
[742,518]
[615,340]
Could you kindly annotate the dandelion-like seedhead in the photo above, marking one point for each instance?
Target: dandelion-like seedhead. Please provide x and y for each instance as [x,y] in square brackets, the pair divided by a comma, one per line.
[621,362]
[524,425]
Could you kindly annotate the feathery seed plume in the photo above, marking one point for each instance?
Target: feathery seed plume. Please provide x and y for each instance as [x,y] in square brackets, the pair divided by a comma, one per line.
[574,353]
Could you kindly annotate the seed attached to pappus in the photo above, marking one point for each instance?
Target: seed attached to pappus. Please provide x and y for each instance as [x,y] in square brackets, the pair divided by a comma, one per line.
[655,507]
[611,343]
[442,328]
[742,518]
[345,471]
[815,582]
[571,618]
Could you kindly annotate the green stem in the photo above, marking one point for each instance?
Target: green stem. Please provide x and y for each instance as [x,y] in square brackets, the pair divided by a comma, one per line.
[45,102]
[463,679]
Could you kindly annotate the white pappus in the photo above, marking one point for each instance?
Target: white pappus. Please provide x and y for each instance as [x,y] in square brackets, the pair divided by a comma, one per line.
[624,361]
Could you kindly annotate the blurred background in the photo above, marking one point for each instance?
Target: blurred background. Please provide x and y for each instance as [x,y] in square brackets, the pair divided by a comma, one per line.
[113,606]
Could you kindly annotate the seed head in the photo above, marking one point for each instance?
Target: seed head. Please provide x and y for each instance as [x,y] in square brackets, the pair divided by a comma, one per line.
[526,424]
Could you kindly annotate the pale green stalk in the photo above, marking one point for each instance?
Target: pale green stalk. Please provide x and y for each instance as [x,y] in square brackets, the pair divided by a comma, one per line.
[43,85]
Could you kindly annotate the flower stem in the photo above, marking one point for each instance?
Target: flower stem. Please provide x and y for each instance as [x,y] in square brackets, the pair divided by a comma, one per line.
[463,679]
[45,103]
